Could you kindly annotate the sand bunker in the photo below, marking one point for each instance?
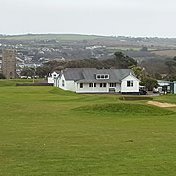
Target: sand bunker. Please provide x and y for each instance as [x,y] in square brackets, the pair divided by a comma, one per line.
[162,105]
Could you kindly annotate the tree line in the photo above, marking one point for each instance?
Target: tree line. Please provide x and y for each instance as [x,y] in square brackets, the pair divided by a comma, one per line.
[119,61]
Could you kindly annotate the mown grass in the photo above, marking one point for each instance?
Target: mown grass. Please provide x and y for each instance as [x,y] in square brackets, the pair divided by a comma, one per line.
[167,98]
[13,82]
[47,131]
[126,109]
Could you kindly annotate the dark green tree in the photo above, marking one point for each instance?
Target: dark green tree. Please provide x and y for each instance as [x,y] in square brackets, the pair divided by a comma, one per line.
[149,82]
[144,48]
[43,71]
[27,71]
[138,71]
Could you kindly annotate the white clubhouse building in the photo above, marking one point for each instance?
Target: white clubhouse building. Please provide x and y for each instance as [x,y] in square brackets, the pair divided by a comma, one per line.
[92,80]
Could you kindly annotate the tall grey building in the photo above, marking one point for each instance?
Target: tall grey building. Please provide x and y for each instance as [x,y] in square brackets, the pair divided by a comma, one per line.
[0,63]
[9,63]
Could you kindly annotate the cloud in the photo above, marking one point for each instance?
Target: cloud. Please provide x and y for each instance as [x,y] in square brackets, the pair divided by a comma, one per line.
[109,17]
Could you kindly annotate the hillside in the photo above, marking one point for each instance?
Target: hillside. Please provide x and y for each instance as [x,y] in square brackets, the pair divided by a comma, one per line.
[38,49]
[59,37]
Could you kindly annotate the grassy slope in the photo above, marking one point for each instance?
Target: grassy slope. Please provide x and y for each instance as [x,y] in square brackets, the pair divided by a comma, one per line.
[60,37]
[12,82]
[46,131]
[167,98]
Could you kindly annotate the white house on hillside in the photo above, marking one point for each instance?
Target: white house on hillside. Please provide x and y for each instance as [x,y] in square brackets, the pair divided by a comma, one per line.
[52,76]
[92,80]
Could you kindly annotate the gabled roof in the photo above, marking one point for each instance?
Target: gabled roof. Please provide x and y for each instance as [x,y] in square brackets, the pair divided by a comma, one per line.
[73,74]
[56,71]
[89,74]
[131,74]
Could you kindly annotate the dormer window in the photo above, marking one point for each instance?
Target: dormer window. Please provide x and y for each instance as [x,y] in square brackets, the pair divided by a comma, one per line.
[102,76]
[106,76]
[98,77]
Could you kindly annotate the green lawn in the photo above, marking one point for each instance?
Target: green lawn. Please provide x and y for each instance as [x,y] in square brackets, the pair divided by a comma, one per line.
[45,131]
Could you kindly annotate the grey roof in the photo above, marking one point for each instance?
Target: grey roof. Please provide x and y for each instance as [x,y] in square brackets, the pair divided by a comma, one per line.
[163,81]
[57,71]
[73,74]
[89,74]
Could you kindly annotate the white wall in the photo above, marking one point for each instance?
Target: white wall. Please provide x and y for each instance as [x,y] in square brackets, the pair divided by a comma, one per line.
[174,87]
[75,87]
[117,88]
[97,89]
[50,80]
[126,89]
[87,89]
[56,82]
[68,85]
[53,76]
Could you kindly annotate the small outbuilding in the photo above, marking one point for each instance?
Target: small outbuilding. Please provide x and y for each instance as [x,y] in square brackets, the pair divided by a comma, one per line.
[164,86]
[52,76]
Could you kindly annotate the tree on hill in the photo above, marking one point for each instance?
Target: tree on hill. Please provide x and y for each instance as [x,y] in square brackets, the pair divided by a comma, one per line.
[27,71]
[171,64]
[138,71]
[120,61]
[123,61]
[149,82]
[144,48]
[43,71]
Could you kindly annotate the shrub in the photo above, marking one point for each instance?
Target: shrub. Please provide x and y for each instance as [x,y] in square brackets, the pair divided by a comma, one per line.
[131,98]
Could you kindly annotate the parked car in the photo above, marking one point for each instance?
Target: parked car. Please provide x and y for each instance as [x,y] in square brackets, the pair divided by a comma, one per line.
[142,92]
[157,90]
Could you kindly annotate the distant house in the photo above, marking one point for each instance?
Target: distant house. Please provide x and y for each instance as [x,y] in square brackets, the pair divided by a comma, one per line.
[92,80]
[52,76]
[164,86]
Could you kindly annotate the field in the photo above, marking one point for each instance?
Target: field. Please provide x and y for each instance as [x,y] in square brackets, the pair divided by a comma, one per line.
[167,53]
[60,37]
[45,131]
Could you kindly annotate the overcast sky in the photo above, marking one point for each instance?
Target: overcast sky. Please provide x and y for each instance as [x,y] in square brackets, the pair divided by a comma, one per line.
[103,17]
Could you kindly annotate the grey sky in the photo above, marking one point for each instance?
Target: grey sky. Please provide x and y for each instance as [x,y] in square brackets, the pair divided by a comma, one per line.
[102,17]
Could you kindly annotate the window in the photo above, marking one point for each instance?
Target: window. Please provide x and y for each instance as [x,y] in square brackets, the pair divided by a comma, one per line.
[112,85]
[90,84]
[98,77]
[63,83]
[129,83]
[95,84]
[102,76]
[106,76]
[102,84]
[81,85]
